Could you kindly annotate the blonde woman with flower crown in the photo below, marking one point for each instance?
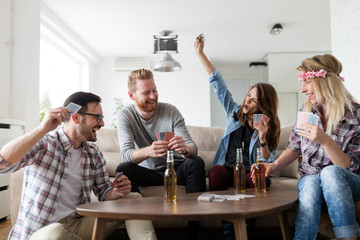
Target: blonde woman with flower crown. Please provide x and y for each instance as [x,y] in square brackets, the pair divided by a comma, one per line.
[330,151]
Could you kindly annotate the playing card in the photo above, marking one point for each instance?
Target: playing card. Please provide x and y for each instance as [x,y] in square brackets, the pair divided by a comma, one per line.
[73,107]
[256,117]
[164,136]
[202,36]
[160,136]
[302,118]
[116,180]
[168,136]
[265,119]
[312,119]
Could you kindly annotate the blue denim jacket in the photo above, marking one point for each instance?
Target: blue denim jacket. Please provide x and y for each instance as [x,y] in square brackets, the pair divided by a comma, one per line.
[231,108]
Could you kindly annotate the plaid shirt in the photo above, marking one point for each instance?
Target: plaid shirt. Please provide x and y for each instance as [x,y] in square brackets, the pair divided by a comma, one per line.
[46,165]
[347,137]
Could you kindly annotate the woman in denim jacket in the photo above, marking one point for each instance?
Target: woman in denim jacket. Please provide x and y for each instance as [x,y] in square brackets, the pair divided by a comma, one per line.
[241,131]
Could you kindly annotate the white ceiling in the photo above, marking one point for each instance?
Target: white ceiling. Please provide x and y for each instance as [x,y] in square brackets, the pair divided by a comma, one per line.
[236,31]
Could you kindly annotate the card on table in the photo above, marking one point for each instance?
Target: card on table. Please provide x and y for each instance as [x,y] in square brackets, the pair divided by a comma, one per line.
[73,107]
[116,180]
[206,197]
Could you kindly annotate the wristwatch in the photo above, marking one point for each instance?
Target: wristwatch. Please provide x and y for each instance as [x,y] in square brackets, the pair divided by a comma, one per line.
[187,150]
[263,144]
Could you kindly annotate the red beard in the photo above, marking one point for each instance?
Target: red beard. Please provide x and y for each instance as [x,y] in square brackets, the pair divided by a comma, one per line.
[147,108]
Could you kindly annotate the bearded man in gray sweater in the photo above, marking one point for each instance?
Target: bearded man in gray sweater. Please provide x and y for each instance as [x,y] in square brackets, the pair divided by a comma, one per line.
[143,154]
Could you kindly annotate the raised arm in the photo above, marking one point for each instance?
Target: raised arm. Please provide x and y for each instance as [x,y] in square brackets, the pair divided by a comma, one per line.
[199,49]
[15,150]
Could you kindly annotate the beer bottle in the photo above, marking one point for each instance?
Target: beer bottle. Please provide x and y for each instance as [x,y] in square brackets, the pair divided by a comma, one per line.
[239,172]
[170,179]
[260,181]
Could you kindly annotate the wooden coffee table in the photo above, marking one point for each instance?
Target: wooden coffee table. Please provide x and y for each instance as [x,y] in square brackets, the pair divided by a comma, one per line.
[187,207]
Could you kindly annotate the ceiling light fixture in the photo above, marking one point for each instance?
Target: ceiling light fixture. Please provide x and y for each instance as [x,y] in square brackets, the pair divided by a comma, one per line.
[258,64]
[167,64]
[276,30]
[166,44]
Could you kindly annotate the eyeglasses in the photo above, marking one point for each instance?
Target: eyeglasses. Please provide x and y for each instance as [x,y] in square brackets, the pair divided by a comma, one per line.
[99,117]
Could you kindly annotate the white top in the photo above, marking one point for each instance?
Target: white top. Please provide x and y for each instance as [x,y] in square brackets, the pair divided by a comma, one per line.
[70,194]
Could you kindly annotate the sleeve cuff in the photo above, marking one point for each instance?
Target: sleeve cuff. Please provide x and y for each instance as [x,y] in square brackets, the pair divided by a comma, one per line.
[102,198]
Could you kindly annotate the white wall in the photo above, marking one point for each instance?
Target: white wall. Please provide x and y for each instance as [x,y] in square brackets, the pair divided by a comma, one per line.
[345,39]
[238,79]
[23,100]
[187,89]
[282,74]
[26,63]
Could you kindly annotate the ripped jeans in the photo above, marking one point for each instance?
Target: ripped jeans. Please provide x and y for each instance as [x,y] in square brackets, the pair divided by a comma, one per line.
[340,189]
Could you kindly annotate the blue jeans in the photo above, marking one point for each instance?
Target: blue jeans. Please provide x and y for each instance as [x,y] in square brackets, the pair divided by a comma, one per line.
[339,188]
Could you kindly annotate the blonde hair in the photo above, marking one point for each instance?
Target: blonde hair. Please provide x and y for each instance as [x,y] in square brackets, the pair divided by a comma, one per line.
[140,74]
[330,91]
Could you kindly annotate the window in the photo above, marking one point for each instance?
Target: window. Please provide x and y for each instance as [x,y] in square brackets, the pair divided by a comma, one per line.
[59,75]
[65,61]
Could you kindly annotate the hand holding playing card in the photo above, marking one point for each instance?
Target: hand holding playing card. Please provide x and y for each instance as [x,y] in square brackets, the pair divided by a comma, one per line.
[117,179]
[53,118]
[313,133]
[121,186]
[260,122]
[159,148]
[177,144]
[73,107]
[261,118]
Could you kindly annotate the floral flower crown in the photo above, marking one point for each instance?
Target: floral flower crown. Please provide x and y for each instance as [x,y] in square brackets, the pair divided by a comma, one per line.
[320,74]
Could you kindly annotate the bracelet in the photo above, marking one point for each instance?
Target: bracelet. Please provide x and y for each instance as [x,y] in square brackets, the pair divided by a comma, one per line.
[263,144]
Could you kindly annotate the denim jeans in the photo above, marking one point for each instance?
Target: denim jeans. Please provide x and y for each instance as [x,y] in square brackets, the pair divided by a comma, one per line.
[339,188]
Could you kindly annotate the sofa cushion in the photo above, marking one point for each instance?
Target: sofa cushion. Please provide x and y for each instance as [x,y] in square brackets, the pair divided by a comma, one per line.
[284,139]
[108,143]
[207,140]
[292,169]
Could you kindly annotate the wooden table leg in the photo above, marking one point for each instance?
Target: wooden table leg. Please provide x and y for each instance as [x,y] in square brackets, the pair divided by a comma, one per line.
[99,229]
[284,224]
[240,229]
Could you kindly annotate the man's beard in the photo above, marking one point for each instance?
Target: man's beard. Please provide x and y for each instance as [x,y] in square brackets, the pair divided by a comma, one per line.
[146,108]
[88,133]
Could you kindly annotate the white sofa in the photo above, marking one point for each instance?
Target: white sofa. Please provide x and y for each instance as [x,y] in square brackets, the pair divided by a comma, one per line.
[207,140]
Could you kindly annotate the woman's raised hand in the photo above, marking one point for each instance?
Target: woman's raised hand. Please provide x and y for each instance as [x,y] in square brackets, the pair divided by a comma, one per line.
[199,45]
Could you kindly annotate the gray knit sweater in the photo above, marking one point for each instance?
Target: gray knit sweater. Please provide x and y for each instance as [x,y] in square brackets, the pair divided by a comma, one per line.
[135,132]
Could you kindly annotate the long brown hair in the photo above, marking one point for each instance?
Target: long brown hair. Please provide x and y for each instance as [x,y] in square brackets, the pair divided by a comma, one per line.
[268,103]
